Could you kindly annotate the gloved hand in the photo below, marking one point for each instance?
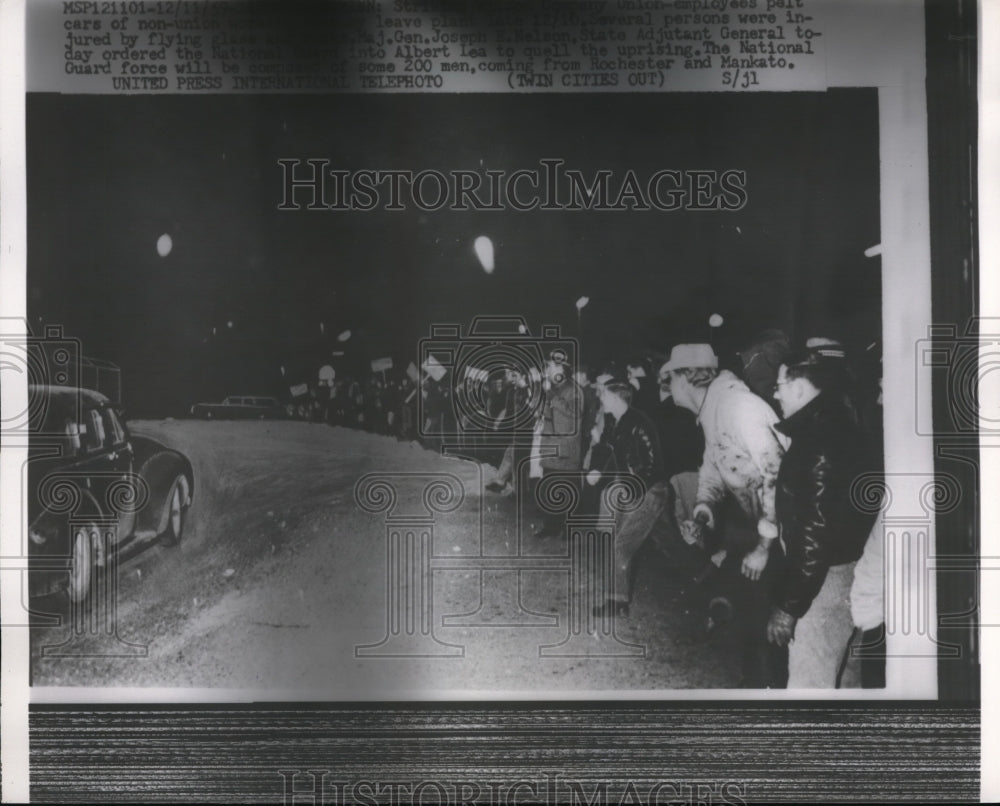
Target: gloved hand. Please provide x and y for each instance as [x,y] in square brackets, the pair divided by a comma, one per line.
[780,627]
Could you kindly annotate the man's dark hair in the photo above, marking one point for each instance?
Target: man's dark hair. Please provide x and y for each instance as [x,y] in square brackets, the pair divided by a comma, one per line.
[827,373]
[622,390]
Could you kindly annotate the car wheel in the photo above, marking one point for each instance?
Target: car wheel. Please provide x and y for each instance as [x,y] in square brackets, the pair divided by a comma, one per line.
[176,510]
[83,564]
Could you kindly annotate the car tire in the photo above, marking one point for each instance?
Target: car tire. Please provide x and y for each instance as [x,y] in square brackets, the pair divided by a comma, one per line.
[83,564]
[176,512]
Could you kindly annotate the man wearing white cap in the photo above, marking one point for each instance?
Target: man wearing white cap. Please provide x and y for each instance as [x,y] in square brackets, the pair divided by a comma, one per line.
[743,453]
[682,444]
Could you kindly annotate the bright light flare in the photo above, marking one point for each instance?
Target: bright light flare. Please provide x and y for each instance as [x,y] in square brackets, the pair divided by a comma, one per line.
[484,251]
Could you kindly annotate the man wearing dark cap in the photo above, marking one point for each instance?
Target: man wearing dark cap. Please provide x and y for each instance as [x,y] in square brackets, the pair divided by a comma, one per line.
[822,528]
[633,451]
[560,448]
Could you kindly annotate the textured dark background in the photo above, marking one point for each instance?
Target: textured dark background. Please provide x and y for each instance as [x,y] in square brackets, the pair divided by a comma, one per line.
[792,258]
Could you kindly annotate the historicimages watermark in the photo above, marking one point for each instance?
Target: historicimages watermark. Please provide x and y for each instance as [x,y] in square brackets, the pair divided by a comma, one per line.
[315,183]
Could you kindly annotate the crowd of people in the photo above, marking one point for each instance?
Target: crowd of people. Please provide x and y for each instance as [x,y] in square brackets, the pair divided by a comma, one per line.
[750,466]
[382,403]
[754,467]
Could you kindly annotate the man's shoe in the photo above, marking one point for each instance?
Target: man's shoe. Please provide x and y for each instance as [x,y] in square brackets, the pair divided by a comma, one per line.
[612,608]
[494,487]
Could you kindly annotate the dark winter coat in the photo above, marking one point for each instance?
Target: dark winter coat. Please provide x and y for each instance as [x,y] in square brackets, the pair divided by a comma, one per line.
[561,416]
[682,443]
[821,525]
[632,446]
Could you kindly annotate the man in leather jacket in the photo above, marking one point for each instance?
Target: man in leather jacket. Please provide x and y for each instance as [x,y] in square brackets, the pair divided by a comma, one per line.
[822,530]
[629,452]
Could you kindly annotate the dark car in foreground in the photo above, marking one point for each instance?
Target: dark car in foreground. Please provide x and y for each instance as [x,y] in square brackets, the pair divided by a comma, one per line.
[240,407]
[93,489]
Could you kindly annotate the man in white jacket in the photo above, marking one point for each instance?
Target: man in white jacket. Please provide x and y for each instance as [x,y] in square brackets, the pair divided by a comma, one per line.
[736,486]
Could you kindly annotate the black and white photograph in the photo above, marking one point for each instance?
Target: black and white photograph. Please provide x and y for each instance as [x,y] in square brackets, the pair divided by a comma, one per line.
[593,363]
[308,368]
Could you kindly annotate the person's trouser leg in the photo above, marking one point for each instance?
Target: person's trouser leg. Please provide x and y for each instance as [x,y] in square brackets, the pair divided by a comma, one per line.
[863,665]
[631,530]
[815,655]
[685,487]
[505,472]
[552,515]
[764,664]
[872,648]
[775,658]
[590,499]
[682,492]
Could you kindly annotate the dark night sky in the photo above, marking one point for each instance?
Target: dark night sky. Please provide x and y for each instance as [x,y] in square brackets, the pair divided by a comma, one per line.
[108,175]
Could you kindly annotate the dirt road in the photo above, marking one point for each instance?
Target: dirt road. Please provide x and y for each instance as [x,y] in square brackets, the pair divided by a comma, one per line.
[285,582]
